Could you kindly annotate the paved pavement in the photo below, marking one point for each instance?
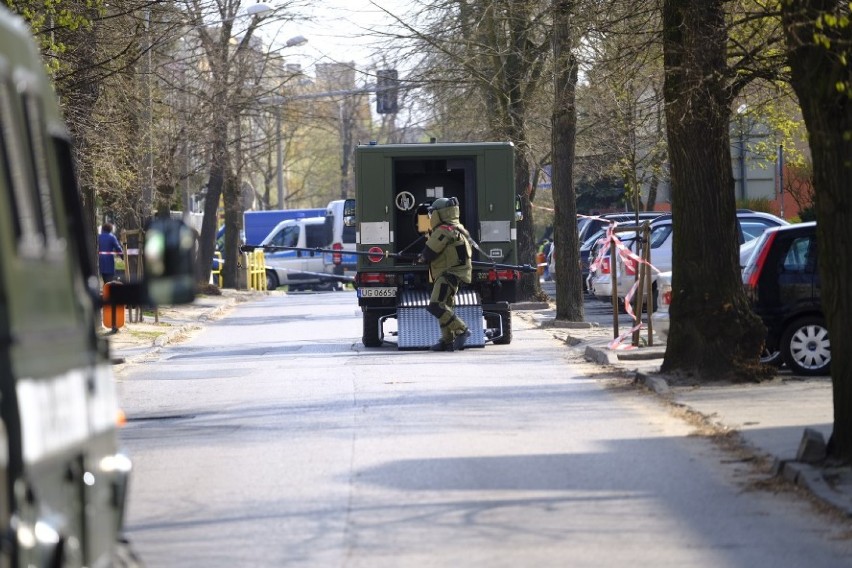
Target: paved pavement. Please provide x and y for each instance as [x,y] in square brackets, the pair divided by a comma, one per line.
[784,420]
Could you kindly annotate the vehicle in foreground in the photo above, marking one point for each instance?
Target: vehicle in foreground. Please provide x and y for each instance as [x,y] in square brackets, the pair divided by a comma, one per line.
[63,480]
[782,281]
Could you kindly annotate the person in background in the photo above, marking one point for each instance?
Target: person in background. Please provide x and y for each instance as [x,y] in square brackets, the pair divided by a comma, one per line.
[542,258]
[449,255]
[108,247]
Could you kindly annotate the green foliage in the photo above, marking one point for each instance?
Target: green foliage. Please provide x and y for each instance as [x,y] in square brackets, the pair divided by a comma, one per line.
[832,32]
[762,204]
[808,214]
[49,16]
[603,194]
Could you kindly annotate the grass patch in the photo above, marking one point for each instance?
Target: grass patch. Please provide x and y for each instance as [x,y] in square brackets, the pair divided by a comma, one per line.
[152,335]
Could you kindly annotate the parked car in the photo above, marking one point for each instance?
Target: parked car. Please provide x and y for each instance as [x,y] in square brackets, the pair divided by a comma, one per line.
[664,300]
[782,282]
[340,236]
[599,263]
[298,269]
[589,231]
[596,223]
[749,225]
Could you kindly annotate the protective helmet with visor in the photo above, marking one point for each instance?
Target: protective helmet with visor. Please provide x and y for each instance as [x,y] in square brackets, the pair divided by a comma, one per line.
[443,203]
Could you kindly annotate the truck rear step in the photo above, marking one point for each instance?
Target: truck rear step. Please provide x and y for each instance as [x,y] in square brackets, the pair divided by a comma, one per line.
[418,329]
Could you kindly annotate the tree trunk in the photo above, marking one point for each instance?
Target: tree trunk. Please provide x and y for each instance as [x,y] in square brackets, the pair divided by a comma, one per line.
[713,332]
[233,212]
[816,73]
[569,285]
[528,286]
[215,181]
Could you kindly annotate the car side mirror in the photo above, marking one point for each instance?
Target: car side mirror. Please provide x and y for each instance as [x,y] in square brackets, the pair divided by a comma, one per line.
[168,262]
[168,268]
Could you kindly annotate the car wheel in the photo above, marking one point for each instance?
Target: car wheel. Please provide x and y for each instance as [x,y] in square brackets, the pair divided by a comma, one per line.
[271,280]
[805,346]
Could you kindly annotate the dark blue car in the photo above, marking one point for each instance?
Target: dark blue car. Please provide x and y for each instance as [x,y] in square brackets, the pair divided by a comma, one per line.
[782,281]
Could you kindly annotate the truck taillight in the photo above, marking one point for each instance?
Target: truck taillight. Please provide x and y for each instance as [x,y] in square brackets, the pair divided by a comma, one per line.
[495,275]
[337,257]
[373,278]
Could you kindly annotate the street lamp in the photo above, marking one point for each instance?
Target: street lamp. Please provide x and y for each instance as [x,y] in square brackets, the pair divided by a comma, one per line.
[294,41]
[259,9]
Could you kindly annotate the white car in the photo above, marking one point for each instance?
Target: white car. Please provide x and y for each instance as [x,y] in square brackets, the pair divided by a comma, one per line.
[660,318]
[297,269]
[750,225]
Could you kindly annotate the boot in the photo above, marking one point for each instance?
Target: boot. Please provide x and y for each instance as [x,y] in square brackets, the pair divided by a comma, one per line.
[442,346]
[458,342]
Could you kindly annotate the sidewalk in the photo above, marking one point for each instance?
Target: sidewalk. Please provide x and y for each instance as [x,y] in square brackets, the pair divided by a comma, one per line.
[138,340]
[768,419]
[786,420]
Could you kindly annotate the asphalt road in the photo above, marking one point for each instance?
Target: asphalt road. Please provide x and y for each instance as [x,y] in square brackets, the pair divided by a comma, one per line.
[273,438]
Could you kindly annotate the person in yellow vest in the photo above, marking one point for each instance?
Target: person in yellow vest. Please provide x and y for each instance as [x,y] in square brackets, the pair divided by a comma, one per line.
[449,253]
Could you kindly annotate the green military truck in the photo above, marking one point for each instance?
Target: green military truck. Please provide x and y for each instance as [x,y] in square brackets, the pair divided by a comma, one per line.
[395,185]
[63,479]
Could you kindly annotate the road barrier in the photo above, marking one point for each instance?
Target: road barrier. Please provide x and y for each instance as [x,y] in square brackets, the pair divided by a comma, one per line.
[216,272]
[256,269]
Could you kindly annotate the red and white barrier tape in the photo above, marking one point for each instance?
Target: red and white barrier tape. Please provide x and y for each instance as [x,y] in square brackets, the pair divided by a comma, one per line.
[631,261]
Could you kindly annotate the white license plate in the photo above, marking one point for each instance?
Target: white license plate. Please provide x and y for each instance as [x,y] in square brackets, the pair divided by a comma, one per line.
[377,292]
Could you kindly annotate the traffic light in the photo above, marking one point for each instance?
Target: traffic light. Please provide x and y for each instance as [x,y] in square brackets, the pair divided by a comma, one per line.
[387,89]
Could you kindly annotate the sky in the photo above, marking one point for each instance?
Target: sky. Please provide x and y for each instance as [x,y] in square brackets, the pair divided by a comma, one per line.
[339,31]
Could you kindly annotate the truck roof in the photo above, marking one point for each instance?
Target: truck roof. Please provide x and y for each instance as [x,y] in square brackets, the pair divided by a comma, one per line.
[419,147]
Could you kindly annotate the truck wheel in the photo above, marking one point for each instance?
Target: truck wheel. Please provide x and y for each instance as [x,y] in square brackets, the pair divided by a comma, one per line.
[805,346]
[506,316]
[370,337]
[271,280]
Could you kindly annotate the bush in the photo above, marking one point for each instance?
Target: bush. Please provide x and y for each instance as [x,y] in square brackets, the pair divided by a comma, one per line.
[808,214]
[762,204]
[209,290]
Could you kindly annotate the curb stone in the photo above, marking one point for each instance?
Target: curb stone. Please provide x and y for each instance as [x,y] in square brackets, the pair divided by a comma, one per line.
[814,480]
[657,384]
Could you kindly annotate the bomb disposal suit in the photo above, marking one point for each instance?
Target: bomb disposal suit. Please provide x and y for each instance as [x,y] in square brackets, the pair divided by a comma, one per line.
[449,254]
